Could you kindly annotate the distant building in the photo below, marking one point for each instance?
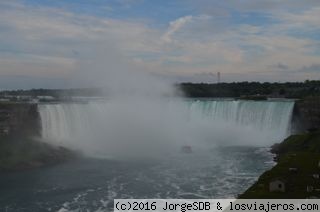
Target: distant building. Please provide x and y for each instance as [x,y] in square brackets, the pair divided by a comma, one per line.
[4,130]
[4,100]
[309,188]
[45,97]
[4,121]
[218,77]
[277,186]
[313,197]
[293,170]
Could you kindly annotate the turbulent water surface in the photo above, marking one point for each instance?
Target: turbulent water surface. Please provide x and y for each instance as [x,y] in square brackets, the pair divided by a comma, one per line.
[92,184]
[212,170]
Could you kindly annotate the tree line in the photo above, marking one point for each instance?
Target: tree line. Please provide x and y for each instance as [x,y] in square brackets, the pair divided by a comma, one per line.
[240,89]
[198,90]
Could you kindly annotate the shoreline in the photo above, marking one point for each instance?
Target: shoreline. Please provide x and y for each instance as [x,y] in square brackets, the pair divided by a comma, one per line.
[296,174]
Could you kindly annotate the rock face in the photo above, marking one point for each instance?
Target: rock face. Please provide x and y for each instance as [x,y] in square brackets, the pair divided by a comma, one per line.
[18,155]
[19,119]
[19,148]
[307,114]
[46,155]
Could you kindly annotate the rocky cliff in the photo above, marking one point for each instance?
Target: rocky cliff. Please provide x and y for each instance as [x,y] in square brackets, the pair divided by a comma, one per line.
[19,119]
[307,114]
[19,147]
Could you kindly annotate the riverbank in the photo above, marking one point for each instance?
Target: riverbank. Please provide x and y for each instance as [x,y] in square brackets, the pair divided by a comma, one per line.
[18,154]
[296,174]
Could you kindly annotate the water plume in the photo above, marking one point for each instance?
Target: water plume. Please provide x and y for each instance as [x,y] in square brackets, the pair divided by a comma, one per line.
[143,116]
[140,127]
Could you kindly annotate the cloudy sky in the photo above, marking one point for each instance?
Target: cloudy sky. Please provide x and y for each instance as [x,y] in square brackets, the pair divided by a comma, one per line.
[42,42]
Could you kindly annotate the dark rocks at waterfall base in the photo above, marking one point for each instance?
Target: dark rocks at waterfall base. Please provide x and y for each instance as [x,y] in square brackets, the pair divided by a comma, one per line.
[23,154]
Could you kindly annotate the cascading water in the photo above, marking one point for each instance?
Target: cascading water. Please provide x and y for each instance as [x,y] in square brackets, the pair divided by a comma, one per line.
[217,167]
[217,121]
[260,115]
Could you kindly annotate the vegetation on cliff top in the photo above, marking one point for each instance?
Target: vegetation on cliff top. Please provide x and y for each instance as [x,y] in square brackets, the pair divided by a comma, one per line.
[298,161]
[233,89]
[238,89]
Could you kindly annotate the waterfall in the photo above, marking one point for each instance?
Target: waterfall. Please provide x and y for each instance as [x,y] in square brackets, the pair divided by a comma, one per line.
[260,115]
[82,124]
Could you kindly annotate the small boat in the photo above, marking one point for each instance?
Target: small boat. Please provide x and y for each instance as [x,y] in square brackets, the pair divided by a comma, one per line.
[186,149]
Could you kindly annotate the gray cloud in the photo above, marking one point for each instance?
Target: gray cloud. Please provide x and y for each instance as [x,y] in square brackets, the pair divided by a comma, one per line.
[196,78]
[280,66]
[214,6]
[47,43]
[27,82]
[314,68]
